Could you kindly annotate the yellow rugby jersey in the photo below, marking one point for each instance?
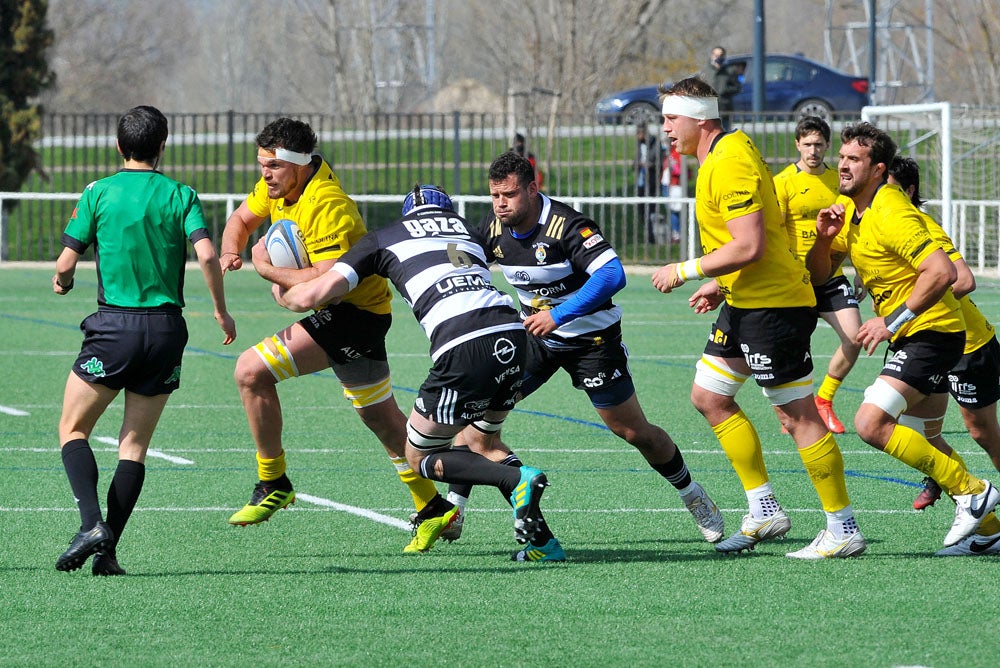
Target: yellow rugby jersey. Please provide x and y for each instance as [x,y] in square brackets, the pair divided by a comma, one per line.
[886,246]
[331,224]
[978,330]
[801,195]
[733,181]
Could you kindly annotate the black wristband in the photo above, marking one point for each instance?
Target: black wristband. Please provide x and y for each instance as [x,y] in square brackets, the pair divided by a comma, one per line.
[66,287]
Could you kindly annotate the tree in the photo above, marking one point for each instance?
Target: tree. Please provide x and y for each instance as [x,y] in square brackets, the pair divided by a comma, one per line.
[24,73]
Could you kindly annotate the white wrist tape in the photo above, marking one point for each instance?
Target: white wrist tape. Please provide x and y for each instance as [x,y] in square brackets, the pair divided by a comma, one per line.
[898,318]
[690,270]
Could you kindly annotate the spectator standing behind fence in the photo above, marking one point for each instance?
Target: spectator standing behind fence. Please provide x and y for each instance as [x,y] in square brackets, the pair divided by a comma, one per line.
[670,186]
[725,79]
[646,165]
[139,223]
[519,149]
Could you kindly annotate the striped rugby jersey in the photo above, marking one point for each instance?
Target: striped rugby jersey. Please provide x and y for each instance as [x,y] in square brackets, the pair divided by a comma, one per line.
[552,264]
[439,267]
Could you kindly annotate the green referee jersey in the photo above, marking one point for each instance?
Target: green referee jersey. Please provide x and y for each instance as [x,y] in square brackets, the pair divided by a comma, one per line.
[140,223]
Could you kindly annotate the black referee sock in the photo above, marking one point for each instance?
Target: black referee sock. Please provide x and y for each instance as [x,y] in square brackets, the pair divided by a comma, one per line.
[81,469]
[675,471]
[123,494]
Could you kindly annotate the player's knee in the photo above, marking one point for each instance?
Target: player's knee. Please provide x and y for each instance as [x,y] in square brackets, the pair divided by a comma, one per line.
[874,425]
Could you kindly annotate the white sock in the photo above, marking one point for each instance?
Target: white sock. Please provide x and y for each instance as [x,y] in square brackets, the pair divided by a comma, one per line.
[841,523]
[458,499]
[762,501]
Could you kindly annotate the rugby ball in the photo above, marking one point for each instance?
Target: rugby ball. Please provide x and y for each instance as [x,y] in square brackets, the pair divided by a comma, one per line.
[286,246]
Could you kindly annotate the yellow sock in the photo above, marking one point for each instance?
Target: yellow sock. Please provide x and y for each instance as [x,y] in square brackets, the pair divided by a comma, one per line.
[990,525]
[741,444]
[958,458]
[825,466]
[271,469]
[421,489]
[829,387]
[915,451]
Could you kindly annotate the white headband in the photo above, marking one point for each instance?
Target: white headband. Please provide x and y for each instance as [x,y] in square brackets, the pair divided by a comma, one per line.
[292,156]
[700,108]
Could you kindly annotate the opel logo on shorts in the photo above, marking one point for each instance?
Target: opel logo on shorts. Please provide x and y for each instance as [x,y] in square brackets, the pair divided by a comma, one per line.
[504,350]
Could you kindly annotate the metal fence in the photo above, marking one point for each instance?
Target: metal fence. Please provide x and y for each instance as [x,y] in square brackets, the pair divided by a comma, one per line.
[377,158]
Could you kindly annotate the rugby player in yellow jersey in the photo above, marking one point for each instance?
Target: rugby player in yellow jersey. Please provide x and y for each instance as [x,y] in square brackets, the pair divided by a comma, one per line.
[763,328]
[298,185]
[908,276]
[974,383]
[804,188]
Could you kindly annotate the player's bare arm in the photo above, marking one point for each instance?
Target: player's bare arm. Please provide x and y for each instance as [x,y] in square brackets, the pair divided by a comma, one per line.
[239,227]
[746,247]
[284,276]
[935,275]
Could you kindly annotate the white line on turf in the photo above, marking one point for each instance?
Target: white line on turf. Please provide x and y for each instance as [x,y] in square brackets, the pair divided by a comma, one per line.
[327,506]
[354,510]
[13,411]
[149,452]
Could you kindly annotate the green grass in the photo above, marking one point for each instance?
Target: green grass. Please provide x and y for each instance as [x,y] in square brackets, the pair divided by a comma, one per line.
[319,586]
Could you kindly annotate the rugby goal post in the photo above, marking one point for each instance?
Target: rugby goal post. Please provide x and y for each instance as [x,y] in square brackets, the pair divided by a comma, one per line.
[922,132]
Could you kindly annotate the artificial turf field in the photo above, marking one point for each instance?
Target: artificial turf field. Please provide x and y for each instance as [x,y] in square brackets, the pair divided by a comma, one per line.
[326,583]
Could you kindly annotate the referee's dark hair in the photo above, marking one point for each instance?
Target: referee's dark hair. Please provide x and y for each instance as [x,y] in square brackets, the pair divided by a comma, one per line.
[141,133]
[288,134]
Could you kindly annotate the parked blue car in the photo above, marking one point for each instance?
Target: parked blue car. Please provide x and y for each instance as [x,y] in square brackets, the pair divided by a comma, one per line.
[793,83]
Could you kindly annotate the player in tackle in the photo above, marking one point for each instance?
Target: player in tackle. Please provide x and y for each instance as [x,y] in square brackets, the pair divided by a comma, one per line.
[478,346]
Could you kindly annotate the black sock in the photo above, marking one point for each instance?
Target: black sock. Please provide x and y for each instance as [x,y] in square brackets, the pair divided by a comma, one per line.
[675,471]
[123,494]
[81,469]
[466,490]
[469,468]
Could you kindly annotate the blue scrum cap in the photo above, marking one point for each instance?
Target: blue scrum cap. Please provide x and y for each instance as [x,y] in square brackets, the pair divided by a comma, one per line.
[427,195]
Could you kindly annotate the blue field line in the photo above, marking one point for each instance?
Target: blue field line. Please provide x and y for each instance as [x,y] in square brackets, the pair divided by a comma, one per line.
[883,478]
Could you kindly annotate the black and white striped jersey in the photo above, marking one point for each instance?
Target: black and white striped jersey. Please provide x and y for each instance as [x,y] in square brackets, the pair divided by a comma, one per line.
[552,263]
[437,263]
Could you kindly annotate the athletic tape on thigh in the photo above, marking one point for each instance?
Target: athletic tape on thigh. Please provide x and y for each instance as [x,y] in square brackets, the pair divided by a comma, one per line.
[279,361]
[718,379]
[779,395]
[886,397]
[929,427]
[487,427]
[369,395]
[425,442]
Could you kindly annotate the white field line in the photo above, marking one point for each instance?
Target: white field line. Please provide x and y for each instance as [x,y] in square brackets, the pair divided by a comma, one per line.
[624,450]
[159,454]
[13,411]
[380,517]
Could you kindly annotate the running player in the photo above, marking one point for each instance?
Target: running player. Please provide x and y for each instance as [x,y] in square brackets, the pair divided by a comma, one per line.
[565,274]
[974,383]
[299,185]
[767,317]
[908,276]
[437,262]
[804,188]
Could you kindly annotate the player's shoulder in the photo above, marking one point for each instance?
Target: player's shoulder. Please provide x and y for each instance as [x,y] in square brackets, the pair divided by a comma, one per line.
[788,172]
